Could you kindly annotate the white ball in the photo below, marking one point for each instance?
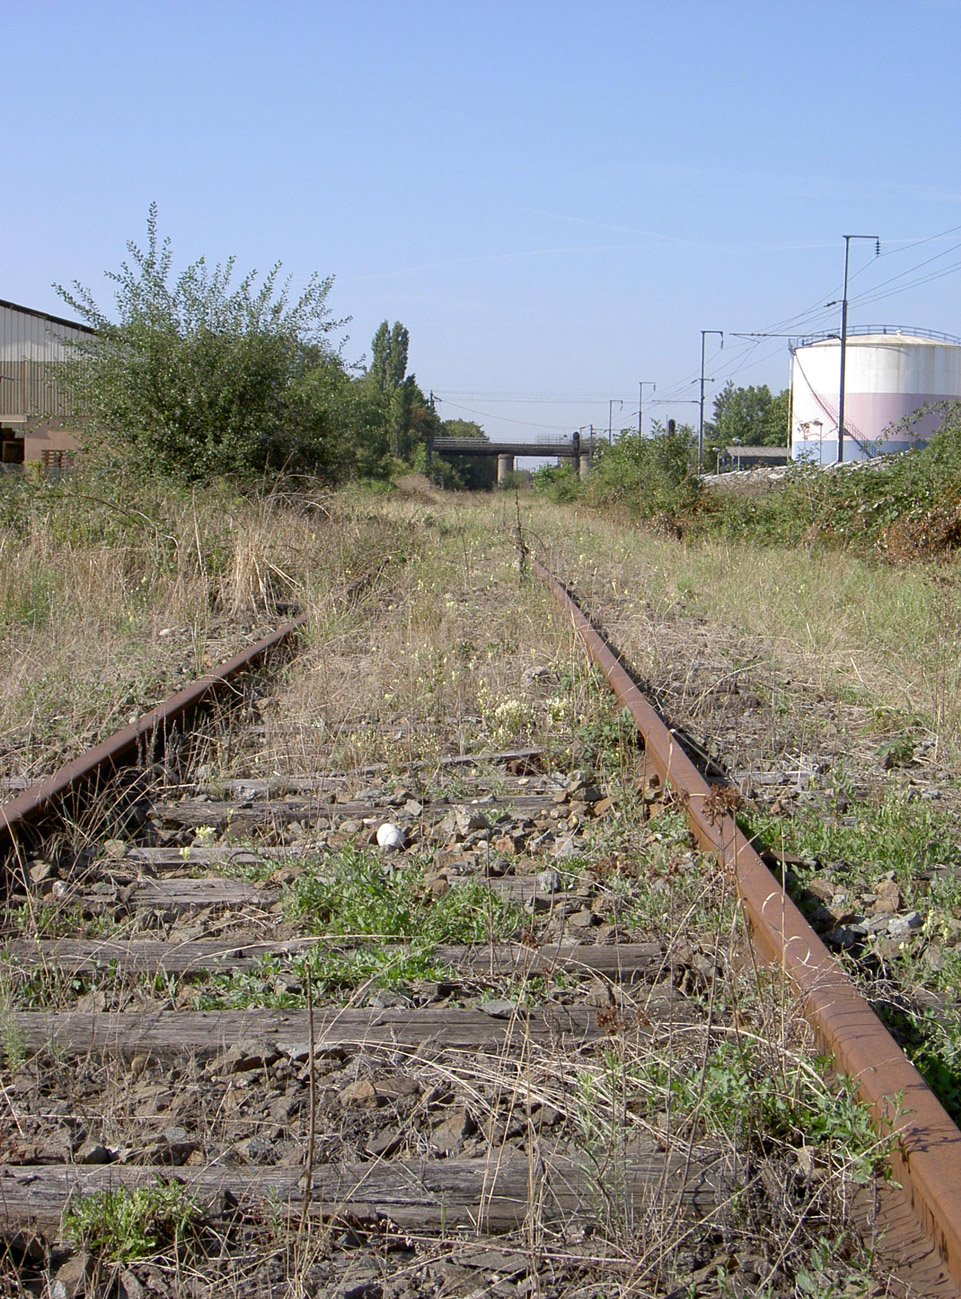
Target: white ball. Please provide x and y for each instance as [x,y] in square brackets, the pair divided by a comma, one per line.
[390,835]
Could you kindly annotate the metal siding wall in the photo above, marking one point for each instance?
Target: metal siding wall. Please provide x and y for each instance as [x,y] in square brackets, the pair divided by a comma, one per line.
[27,342]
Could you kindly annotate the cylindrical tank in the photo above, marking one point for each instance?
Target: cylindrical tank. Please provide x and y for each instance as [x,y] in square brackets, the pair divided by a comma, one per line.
[889,374]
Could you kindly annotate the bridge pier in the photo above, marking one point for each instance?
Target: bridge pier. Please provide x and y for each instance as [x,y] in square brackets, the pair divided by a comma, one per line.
[505,466]
[584,463]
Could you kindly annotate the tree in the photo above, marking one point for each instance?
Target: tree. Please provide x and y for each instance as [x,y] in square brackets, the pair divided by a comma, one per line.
[388,364]
[388,375]
[195,377]
[751,416]
[476,473]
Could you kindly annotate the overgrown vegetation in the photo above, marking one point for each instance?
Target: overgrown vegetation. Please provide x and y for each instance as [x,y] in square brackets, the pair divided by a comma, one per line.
[910,850]
[649,477]
[195,376]
[899,507]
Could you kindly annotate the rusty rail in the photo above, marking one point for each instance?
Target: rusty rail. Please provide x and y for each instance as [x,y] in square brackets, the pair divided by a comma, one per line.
[125,744]
[927,1158]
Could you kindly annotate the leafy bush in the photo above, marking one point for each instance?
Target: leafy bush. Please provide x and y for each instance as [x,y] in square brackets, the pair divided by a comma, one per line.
[559,483]
[648,475]
[123,1225]
[196,377]
[359,895]
[900,506]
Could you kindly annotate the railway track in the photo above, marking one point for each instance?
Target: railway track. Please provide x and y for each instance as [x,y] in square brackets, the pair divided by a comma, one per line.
[462,1062]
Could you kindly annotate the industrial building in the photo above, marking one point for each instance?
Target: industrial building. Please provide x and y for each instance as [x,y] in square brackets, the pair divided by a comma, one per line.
[34,424]
[890,374]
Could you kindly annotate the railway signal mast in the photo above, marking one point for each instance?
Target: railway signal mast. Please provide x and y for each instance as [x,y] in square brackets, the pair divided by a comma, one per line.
[640,401]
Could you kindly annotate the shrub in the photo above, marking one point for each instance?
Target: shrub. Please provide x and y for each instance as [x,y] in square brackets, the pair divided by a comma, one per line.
[196,377]
[648,475]
[559,483]
[901,506]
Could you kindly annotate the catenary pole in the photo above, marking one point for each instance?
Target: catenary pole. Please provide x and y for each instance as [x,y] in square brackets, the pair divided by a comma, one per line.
[844,334]
[700,421]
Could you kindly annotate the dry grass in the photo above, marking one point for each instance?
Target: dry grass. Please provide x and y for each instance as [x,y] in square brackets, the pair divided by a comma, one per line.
[107,603]
[878,639]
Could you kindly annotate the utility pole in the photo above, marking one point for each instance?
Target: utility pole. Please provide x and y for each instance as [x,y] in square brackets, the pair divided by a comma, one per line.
[610,419]
[700,422]
[640,401]
[844,333]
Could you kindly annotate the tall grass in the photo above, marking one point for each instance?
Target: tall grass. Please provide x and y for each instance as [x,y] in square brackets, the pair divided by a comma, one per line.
[113,592]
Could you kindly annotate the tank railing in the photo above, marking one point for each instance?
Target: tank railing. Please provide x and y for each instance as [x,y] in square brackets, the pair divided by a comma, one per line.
[907,330]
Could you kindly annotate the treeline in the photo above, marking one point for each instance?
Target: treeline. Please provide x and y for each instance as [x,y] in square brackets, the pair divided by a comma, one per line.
[198,376]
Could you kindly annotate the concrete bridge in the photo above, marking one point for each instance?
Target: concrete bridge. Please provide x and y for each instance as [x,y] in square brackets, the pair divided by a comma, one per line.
[579,452]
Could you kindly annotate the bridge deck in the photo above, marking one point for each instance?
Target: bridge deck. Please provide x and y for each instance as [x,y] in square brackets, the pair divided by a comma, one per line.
[475,447]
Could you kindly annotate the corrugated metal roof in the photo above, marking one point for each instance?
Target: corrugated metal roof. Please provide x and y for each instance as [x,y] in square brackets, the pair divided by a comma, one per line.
[45,315]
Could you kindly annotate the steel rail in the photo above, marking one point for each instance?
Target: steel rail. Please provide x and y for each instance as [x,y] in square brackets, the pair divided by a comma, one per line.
[119,748]
[927,1156]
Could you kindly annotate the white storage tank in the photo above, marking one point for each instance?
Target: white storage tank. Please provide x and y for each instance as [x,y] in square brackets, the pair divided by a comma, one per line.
[889,374]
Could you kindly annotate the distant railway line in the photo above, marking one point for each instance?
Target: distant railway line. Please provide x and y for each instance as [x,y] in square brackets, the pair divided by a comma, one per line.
[187,1006]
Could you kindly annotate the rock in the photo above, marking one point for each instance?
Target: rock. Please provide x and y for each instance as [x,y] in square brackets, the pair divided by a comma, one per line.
[244,1056]
[384,999]
[598,994]
[566,848]
[582,920]
[363,1290]
[450,1133]
[821,888]
[92,1152]
[384,1144]
[255,1150]
[173,1146]
[130,1286]
[499,1008]
[846,936]
[362,1092]
[542,840]
[72,1277]
[902,927]
[549,882]
[500,866]
[934,957]
[41,871]
[467,820]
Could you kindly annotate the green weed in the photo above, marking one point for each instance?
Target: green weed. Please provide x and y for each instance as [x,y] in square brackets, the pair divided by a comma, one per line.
[122,1225]
[361,895]
[735,1093]
[866,836]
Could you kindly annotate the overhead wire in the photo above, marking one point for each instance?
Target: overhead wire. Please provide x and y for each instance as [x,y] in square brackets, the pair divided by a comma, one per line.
[809,320]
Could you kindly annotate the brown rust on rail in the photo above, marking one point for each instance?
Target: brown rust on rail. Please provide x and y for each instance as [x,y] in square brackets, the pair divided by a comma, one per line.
[142,735]
[927,1159]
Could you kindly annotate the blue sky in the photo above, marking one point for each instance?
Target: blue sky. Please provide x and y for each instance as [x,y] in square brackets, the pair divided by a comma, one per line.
[554,197]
